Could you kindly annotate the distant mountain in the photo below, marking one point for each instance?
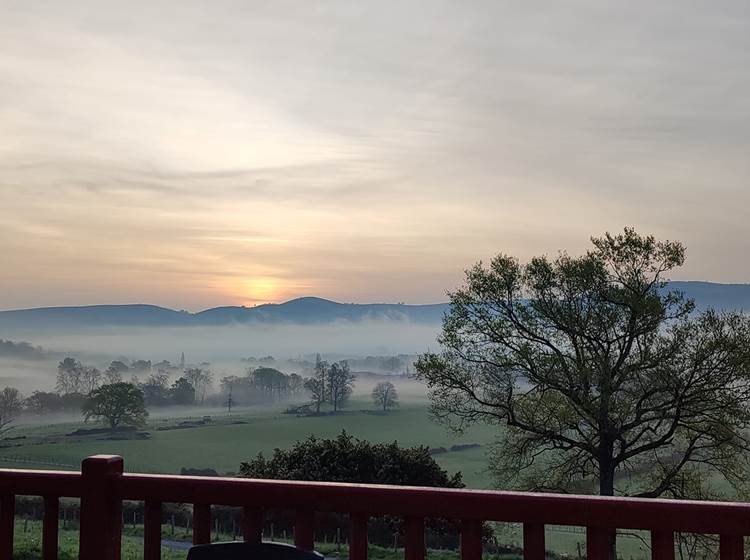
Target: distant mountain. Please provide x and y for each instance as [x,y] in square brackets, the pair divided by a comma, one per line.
[306,310]
[317,310]
[93,315]
[718,296]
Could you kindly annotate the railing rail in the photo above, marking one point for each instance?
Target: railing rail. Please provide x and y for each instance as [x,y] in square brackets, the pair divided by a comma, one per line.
[102,486]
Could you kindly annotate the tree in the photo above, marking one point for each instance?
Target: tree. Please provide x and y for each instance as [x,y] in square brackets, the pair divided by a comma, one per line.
[156,389]
[182,392]
[118,404]
[597,370]
[317,383]
[270,382]
[201,380]
[41,402]
[296,384]
[90,378]
[230,401]
[384,395]
[141,366]
[69,376]
[11,405]
[340,384]
[115,371]
[347,459]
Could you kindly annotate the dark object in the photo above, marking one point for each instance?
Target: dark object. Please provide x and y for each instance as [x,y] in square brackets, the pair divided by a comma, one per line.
[250,551]
[187,471]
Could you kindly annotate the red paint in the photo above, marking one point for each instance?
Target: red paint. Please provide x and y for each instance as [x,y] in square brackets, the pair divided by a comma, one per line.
[101,508]
[102,486]
[662,545]
[152,530]
[533,541]
[471,540]
[49,527]
[252,525]
[304,530]
[731,547]
[7,516]
[201,523]
[599,543]
[414,541]
[358,537]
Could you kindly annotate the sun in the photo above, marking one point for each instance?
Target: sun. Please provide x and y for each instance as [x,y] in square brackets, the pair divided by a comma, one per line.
[261,288]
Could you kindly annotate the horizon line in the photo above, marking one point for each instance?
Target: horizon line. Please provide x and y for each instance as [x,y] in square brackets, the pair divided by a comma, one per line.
[142,304]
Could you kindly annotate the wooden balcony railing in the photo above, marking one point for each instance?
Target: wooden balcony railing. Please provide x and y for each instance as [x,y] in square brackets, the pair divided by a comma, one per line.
[102,486]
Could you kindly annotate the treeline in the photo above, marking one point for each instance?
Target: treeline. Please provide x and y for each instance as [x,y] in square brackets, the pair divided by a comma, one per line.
[75,381]
[401,363]
[398,364]
[104,393]
[260,385]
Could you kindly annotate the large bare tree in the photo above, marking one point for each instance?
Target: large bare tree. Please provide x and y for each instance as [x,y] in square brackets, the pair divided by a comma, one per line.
[596,372]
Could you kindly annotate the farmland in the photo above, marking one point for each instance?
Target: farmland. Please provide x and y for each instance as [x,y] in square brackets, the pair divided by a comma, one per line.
[181,439]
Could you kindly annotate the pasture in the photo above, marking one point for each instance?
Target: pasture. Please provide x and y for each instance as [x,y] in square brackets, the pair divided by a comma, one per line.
[227,440]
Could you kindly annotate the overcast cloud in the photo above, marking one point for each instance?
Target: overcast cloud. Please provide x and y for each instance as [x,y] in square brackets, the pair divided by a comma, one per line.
[193,154]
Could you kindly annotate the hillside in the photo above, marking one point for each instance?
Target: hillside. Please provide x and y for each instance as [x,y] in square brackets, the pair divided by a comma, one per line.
[306,310]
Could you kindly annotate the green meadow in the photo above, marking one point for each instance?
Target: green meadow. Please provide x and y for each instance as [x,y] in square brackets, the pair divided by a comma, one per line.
[228,440]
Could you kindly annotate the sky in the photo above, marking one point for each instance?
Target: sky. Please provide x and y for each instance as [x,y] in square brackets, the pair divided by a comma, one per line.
[193,154]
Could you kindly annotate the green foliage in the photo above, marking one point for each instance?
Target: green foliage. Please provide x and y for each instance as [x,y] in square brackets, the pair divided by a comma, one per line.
[182,392]
[597,371]
[348,459]
[117,403]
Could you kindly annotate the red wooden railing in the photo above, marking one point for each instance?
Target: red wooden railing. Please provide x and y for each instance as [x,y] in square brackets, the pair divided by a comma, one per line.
[102,486]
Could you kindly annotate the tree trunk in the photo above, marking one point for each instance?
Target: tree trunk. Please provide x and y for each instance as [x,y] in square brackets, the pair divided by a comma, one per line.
[607,484]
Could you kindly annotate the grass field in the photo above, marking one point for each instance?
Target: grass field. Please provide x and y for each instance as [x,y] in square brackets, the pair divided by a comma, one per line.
[224,445]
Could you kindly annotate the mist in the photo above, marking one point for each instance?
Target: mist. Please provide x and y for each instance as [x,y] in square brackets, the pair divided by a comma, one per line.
[223,347]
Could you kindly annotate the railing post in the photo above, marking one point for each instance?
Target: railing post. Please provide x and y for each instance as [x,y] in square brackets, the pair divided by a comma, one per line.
[304,530]
[101,508]
[252,525]
[471,540]
[414,546]
[533,541]
[201,524]
[49,527]
[358,537]
[7,518]
[600,543]
[152,530]
[662,545]
[731,547]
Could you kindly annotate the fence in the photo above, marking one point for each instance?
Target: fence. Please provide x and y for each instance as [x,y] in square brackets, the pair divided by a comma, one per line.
[102,486]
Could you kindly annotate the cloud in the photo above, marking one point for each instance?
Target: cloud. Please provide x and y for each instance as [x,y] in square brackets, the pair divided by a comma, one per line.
[182,153]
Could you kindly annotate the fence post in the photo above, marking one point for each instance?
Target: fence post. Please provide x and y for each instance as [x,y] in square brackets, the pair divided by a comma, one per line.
[358,537]
[414,546]
[7,522]
[49,527]
[101,508]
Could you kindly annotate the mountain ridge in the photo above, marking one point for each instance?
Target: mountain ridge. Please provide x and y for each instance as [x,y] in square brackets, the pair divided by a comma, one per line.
[305,310]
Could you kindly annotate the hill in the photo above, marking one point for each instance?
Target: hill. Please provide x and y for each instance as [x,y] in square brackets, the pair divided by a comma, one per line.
[306,310]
